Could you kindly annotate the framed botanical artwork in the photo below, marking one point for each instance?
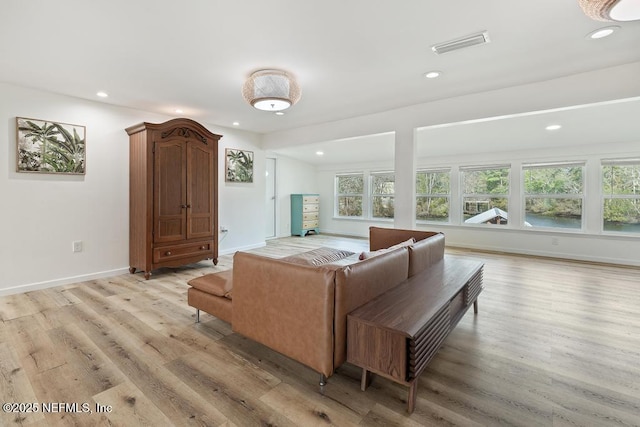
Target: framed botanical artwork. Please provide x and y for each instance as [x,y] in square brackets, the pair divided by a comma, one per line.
[50,147]
[239,165]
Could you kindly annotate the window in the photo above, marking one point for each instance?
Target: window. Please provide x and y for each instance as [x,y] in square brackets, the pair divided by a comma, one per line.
[382,191]
[349,194]
[553,195]
[621,191]
[485,194]
[432,195]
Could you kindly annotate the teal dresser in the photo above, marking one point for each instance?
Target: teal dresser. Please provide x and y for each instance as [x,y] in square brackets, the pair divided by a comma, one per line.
[305,210]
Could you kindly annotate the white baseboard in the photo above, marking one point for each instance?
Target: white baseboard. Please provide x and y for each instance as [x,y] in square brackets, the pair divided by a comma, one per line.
[61,282]
[559,255]
[242,248]
[99,275]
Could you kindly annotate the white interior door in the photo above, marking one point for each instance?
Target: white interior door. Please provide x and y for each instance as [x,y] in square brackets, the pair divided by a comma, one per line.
[270,220]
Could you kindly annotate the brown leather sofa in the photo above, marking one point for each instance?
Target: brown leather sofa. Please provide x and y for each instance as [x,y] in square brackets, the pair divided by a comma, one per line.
[301,310]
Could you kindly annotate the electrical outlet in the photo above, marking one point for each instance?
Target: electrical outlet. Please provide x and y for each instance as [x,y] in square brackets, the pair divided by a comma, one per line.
[224,229]
[77,246]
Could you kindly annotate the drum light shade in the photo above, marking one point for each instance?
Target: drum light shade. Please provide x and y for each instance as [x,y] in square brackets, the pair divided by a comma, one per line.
[611,10]
[271,90]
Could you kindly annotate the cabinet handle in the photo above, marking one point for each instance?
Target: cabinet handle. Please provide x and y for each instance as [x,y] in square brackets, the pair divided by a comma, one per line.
[183,206]
[203,248]
[168,253]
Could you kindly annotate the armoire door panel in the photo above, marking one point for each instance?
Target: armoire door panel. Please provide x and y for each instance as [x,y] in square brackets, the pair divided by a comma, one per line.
[200,178]
[170,201]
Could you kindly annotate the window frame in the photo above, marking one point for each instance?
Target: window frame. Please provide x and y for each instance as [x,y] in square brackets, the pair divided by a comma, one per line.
[373,195]
[338,195]
[462,196]
[609,196]
[575,196]
[447,195]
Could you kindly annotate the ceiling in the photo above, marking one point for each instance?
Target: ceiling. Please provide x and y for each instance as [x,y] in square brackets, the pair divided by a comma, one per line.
[605,122]
[350,57]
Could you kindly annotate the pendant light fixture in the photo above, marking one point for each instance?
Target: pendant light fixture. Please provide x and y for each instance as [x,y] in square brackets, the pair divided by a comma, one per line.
[611,10]
[271,90]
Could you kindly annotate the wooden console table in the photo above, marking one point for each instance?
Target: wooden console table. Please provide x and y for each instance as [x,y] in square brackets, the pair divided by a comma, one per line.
[398,333]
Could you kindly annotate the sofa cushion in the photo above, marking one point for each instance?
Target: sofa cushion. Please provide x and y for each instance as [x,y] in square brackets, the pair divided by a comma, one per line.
[318,256]
[219,284]
[351,259]
[408,242]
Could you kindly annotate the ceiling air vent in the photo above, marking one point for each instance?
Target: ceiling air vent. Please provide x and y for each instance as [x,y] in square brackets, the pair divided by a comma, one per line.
[461,43]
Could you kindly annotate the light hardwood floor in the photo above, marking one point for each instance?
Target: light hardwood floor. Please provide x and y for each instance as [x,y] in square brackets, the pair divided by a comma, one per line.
[555,343]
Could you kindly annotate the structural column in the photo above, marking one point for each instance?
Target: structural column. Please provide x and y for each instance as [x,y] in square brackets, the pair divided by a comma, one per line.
[405,178]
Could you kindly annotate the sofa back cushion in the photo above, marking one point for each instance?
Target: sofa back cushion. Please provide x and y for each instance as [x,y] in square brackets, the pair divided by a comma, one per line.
[380,238]
[358,284]
[425,253]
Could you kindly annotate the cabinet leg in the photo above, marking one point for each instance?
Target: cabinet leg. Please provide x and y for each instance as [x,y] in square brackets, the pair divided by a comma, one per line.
[367,377]
[411,400]
[132,270]
[475,307]
[147,274]
[215,261]
[197,315]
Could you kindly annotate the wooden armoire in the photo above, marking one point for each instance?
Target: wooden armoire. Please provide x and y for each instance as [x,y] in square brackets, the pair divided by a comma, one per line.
[173,195]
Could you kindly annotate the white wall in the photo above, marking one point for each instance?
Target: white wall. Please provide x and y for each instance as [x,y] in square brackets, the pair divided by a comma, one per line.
[40,215]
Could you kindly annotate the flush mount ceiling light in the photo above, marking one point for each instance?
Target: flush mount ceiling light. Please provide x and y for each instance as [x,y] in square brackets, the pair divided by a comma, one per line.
[433,74]
[553,127]
[461,43]
[611,10]
[271,90]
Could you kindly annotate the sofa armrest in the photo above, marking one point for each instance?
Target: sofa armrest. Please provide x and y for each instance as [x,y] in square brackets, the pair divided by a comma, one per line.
[381,238]
[287,307]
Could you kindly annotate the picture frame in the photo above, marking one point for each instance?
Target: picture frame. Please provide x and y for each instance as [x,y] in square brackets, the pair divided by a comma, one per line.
[238,165]
[44,146]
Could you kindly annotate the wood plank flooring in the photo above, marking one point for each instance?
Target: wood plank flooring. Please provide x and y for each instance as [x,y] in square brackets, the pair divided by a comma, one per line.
[556,343]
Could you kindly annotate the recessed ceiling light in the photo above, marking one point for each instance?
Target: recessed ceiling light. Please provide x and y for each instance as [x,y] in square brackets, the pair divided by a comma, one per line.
[602,32]
[433,74]
[319,153]
[279,113]
[102,94]
[236,123]
[553,127]
[179,111]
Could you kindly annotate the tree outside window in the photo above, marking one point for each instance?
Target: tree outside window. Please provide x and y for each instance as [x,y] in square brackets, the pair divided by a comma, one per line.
[621,191]
[349,194]
[553,195]
[432,195]
[382,191]
[485,195]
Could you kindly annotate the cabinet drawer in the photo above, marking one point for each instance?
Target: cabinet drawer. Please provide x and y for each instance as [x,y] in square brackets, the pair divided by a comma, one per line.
[166,253]
[310,216]
[311,199]
[310,207]
[310,224]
